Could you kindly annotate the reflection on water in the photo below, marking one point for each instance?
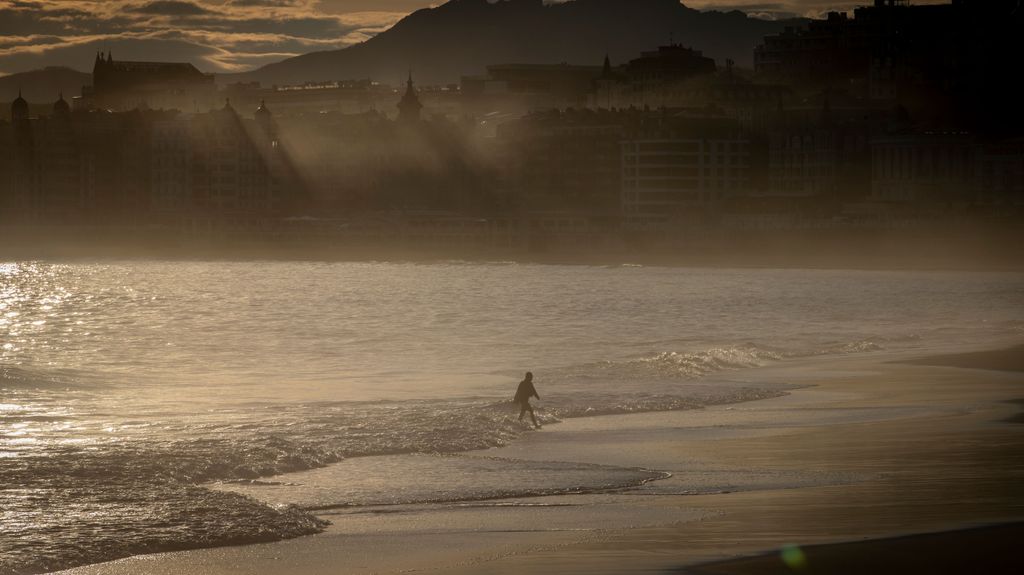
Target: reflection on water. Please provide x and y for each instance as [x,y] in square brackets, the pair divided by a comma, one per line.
[125,386]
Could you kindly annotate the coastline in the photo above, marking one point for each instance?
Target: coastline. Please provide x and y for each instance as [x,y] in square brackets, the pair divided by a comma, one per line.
[870,449]
[925,249]
[1011,359]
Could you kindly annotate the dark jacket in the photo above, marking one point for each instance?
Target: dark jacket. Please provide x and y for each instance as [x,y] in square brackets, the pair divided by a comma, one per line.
[525,391]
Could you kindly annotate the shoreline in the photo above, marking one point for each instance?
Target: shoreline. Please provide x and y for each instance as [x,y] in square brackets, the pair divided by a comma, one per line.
[926,249]
[661,526]
[1011,359]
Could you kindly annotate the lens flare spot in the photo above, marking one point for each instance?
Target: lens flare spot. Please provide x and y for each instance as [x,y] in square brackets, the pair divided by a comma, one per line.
[793,557]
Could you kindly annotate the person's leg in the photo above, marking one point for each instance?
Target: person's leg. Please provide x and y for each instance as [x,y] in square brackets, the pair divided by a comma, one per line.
[532,416]
[522,410]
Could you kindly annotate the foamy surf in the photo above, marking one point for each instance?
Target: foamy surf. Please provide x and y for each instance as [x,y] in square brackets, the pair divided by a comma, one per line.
[108,488]
[438,479]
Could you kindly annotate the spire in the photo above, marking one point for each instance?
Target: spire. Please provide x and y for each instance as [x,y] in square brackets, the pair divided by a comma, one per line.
[409,107]
[262,111]
[110,56]
[264,118]
[606,71]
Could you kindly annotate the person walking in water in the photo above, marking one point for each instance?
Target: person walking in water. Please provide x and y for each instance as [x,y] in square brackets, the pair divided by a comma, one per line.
[523,393]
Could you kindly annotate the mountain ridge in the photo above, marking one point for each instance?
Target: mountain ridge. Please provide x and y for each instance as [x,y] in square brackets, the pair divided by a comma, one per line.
[462,37]
[44,84]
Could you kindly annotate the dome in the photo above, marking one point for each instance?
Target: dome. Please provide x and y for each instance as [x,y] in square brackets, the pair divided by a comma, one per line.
[61,107]
[19,108]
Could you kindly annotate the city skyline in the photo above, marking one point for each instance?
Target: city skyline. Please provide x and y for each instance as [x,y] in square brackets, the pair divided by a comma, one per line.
[225,36]
[879,133]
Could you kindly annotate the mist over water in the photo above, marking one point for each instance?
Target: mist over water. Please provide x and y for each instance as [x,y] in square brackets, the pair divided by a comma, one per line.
[125,386]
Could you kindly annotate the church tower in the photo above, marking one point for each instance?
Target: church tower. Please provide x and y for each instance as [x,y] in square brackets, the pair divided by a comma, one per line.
[409,107]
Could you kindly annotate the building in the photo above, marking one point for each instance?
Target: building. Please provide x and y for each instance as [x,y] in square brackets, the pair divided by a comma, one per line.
[945,63]
[818,148]
[564,160]
[76,167]
[671,76]
[833,50]
[127,85]
[142,167]
[171,169]
[529,87]
[652,78]
[734,94]
[1000,174]
[933,172]
[409,106]
[18,168]
[677,171]
[238,174]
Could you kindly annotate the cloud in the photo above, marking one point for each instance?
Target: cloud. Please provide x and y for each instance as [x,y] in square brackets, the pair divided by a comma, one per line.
[171,8]
[215,35]
[278,3]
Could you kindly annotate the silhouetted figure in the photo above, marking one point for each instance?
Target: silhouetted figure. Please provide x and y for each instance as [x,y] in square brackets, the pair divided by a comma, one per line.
[522,397]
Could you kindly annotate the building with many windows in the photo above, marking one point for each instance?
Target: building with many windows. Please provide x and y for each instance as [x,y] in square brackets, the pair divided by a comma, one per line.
[679,171]
[142,167]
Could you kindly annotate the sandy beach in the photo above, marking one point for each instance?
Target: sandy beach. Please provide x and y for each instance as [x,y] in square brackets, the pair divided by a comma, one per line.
[865,448]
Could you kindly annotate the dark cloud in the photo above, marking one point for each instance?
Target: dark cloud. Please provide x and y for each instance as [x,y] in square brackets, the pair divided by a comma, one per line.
[171,8]
[751,7]
[349,6]
[274,3]
[215,35]
[302,27]
[80,55]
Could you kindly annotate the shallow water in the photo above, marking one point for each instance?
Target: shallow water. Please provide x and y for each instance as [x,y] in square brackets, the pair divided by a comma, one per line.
[125,386]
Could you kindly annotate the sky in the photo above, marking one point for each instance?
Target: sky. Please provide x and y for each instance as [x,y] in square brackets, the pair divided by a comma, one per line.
[225,35]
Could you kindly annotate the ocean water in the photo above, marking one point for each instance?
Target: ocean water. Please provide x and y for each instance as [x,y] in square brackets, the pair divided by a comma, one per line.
[128,388]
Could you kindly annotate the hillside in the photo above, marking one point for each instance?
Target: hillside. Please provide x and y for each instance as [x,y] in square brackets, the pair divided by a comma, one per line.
[463,36]
[43,86]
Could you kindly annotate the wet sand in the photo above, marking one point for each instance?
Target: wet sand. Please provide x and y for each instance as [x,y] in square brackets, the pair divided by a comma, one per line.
[1011,359]
[991,550]
[871,449]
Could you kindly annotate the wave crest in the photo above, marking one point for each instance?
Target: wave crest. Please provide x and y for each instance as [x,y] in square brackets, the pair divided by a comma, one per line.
[14,377]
